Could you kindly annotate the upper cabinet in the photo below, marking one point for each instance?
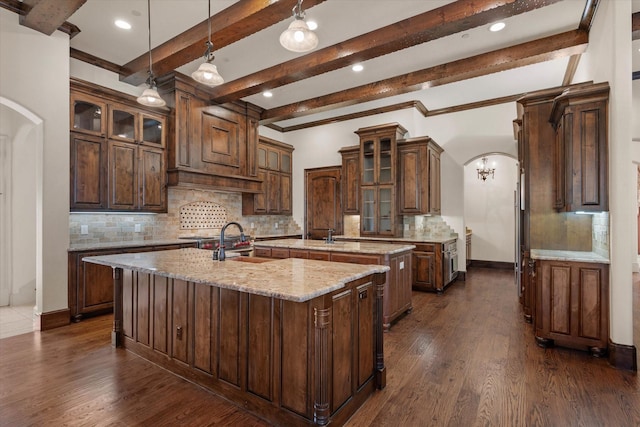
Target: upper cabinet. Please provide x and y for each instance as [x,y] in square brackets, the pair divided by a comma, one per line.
[274,169]
[378,178]
[350,180]
[579,116]
[419,175]
[118,161]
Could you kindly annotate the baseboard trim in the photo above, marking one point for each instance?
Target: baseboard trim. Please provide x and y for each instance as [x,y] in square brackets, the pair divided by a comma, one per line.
[500,265]
[462,276]
[53,319]
[623,356]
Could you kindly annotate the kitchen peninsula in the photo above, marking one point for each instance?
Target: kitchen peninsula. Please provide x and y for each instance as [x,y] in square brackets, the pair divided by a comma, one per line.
[397,286]
[295,341]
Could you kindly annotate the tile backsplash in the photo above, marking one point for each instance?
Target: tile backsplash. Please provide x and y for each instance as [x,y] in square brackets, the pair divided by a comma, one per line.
[221,207]
[600,234]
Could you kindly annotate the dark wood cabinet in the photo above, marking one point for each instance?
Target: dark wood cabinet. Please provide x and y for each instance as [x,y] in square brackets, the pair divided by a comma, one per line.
[468,248]
[275,167]
[88,165]
[90,286]
[350,180]
[117,162]
[427,267]
[378,178]
[572,305]
[579,116]
[419,176]
[323,204]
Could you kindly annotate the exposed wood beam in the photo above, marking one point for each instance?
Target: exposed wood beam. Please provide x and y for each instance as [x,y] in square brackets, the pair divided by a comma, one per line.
[545,49]
[572,66]
[23,9]
[47,15]
[437,23]
[234,23]
[587,15]
[635,26]
[94,60]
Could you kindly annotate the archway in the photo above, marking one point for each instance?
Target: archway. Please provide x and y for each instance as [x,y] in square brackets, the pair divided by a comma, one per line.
[21,219]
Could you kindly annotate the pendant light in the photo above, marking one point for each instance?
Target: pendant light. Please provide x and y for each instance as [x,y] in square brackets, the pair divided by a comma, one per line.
[207,73]
[298,37]
[150,96]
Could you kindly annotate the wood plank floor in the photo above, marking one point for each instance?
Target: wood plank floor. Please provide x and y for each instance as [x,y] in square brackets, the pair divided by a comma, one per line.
[464,358]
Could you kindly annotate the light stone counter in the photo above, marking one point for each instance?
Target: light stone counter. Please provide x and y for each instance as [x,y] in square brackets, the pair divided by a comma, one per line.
[576,256]
[78,247]
[290,279]
[408,239]
[375,248]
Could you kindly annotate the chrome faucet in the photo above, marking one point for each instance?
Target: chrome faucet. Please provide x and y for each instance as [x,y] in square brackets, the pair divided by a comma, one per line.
[219,255]
[330,236]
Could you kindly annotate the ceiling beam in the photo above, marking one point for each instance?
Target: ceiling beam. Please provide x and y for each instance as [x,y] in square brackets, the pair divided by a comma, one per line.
[452,18]
[23,9]
[46,16]
[635,26]
[545,49]
[234,23]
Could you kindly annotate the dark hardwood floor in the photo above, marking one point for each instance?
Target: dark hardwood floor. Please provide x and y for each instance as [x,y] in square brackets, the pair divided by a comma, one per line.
[464,358]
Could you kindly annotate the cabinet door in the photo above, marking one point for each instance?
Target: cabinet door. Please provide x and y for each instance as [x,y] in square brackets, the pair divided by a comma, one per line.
[350,183]
[88,170]
[123,123]
[423,269]
[368,215]
[152,132]
[385,211]
[152,179]
[434,182]
[285,194]
[378,211]
[260,199]
[367,167]
[123,182]
[273,192]
[414,195]
[88,114]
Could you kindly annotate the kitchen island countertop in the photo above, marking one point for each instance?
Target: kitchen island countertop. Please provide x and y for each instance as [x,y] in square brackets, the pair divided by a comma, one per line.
[289,279]
[409,239]
[378,248]
[575,256]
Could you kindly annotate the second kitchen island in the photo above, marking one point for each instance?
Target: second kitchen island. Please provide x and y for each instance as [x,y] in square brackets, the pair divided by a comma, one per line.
[296,342]
[397,286]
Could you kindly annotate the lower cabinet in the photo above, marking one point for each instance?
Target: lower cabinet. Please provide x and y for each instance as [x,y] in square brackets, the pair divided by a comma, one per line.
[397,287]
[427,267]
[572,305]
[91,285]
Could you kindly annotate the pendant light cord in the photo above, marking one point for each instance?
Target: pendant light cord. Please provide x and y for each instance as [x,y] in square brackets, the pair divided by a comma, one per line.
[149,34]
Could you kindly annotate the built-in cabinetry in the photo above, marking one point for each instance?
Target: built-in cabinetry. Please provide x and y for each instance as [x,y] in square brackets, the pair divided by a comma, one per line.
[90,286]
[427,267]
[572,305]
[419,176]
[350,180]
[579,116]
[275,171]
[210,146]
[397,287]
[117,152]
[468,248]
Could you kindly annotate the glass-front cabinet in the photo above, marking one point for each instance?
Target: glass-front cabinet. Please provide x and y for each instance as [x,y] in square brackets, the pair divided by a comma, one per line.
[88,115]
[378,150]
[135,126]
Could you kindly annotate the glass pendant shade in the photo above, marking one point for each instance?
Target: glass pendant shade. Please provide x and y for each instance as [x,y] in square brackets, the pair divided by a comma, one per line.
[207,74]
[298,37]
[151,98]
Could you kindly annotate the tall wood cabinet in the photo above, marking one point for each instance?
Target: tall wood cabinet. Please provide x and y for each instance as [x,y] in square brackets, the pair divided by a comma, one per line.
[275,168]
[572,305]
[117,152]
[579,116]
[419,176]
[378,178]
[351,180]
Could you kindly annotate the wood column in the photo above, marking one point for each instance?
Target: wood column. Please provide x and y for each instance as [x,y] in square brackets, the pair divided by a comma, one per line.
[379,280]
[321,409]
[117,335]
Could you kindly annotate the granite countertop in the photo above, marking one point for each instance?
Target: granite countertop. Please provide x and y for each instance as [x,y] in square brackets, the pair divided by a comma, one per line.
[577,256]
[320,245]
[77,247]
[290,279]
[407,239]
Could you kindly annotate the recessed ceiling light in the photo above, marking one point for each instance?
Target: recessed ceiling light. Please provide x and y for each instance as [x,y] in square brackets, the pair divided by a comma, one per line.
[122,24]
[357,68]
[267,94]
[497,26]
[313,25]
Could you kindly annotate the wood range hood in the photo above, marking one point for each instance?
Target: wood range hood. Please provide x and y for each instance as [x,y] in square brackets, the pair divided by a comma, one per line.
[211,147]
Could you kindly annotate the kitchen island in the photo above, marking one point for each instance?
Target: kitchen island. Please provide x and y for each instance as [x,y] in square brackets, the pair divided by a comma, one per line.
[397,286]
[296,342]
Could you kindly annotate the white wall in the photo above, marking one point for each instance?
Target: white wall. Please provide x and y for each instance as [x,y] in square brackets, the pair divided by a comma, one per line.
[608,60]
[35,75]
[489,209]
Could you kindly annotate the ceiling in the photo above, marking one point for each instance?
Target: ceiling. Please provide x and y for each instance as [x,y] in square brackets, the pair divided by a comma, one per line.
[452,44]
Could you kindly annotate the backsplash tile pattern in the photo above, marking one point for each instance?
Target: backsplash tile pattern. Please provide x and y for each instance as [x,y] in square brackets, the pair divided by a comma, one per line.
[117,227]
[203,214]
[600,234]
[418,226]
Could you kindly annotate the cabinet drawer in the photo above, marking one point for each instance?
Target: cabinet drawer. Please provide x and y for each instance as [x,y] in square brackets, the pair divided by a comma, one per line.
[425,247]
[298,253]
[279,253]
[262,252]
[354,258]
[319,255]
